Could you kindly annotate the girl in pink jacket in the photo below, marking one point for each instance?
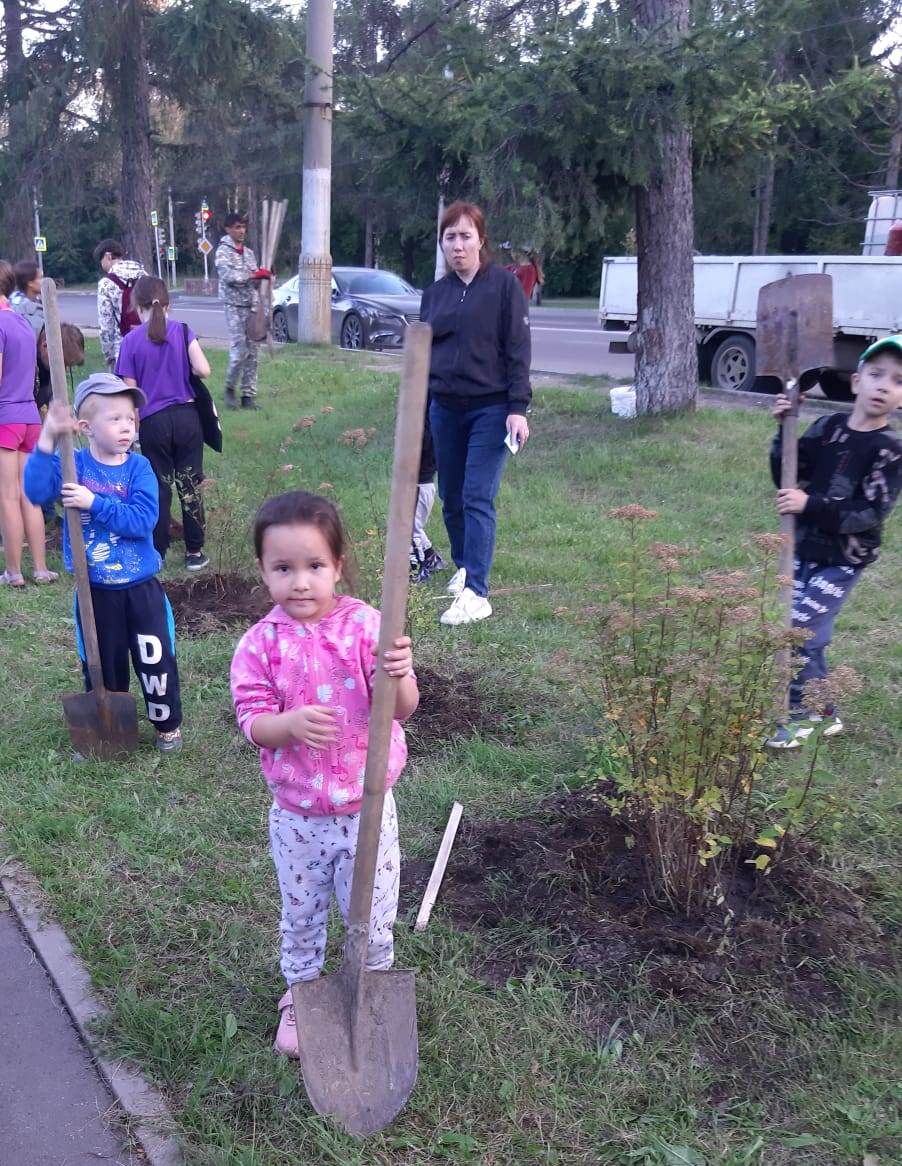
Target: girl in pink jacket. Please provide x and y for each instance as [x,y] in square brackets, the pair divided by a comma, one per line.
[302,681]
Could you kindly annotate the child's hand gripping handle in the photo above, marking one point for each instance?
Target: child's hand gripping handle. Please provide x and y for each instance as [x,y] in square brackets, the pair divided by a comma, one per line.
[67,459]
[408,443]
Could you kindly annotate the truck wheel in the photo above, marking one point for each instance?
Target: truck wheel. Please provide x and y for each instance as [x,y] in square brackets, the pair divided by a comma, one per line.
[835,385]
[733,363]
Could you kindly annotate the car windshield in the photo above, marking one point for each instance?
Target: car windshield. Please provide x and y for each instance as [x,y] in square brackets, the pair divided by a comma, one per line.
[373,283]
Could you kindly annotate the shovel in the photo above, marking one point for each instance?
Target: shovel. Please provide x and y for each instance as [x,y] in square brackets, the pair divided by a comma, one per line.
[357,1029]
[101,723]
[794,336]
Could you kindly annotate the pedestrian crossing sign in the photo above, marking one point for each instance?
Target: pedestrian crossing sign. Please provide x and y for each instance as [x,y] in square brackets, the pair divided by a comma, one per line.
[40,243]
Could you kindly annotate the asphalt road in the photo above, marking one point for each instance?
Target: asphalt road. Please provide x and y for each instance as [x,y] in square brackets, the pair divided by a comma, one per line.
[54,1109]
[567,341]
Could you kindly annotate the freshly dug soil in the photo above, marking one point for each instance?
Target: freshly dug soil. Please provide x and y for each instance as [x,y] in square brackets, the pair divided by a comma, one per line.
[207,603]
[567,873]
[452,706]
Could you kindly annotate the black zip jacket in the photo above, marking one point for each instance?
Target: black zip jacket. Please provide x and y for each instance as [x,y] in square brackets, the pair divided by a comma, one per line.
[852,480]
[481,346]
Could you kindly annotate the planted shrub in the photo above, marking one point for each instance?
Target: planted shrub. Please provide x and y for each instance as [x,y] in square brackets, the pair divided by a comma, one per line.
[687,671]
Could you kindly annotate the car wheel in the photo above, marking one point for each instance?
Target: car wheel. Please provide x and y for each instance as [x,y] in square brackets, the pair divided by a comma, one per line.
[280,327]
[733,363]
[836,386]
[353,334]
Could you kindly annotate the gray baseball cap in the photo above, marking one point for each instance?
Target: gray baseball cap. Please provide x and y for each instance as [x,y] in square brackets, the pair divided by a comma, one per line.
[105,384]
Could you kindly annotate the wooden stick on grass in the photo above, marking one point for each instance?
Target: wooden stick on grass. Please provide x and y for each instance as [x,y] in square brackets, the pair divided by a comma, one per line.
[438,871]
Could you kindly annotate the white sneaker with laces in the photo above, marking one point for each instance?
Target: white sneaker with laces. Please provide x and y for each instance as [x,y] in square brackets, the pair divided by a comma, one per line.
[468,607]
[457,582]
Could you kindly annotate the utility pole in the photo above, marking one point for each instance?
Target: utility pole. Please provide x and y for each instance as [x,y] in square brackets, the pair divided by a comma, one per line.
[37,228]
[171,251]
[439,254]
[315,267]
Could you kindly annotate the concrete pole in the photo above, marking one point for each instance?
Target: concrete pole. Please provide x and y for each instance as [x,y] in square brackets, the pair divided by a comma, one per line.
[439,257]
[172,272]
[37,228]
[315,267]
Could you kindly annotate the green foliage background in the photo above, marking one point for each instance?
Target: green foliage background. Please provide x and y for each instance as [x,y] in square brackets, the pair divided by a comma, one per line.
[542,111]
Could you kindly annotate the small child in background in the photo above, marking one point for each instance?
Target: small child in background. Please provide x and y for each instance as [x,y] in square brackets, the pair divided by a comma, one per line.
[850,473]
[302,683]
[424,558]
[117,496]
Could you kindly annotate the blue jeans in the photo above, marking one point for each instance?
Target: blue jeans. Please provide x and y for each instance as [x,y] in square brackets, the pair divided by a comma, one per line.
[470,452]
[818,592]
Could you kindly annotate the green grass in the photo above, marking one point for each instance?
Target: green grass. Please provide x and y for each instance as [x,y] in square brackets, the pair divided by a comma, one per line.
[159,869]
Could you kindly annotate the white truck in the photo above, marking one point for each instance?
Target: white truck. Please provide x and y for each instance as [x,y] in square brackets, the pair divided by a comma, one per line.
[867,303]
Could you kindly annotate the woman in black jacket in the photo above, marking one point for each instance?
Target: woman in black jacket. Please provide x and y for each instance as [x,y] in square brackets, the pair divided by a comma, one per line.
[479,395]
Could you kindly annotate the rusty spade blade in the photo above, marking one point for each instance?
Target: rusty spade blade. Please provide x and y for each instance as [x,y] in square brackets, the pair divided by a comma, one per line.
[101,723]
[795,326]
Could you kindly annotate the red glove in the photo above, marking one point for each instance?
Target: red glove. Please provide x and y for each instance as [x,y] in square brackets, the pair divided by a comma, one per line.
[262,273]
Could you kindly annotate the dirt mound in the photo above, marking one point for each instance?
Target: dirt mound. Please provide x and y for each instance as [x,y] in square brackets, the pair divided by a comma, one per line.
[568,872]
[208,603]
[453,706]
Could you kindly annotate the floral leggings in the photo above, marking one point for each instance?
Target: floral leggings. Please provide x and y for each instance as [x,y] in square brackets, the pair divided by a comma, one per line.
[314,856]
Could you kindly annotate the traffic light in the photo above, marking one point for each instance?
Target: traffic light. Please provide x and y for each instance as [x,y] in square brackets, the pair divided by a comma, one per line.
[199,224]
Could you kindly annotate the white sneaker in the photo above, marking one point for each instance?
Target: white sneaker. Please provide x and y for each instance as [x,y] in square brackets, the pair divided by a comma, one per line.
[457,582]
[468,607]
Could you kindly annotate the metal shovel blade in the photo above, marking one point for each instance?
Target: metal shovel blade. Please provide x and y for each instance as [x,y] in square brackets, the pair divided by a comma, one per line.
[358,1046]
[101,723]
[795,326]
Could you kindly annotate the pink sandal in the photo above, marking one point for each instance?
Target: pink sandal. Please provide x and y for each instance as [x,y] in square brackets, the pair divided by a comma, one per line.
[45,576]
[12,579]
[286,1042]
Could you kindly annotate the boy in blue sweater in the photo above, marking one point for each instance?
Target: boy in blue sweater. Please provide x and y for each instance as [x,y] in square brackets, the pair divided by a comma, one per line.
[849,477]
[118,498]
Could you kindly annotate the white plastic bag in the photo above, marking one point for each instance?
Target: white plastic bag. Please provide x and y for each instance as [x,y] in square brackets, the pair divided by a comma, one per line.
[623,401]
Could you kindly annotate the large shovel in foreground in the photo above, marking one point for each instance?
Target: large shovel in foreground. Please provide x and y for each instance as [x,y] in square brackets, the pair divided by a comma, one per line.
[794,336]
[357,1030]
[101,723]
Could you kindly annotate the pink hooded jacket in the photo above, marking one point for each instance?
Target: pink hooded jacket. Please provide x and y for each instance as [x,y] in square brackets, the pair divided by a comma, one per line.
[283,664]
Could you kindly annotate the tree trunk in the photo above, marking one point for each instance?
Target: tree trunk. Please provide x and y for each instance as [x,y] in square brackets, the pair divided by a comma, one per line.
[408,257]
[764,201]
[134,125]
[666,376]
[368,237]
[16,202]
[895,146]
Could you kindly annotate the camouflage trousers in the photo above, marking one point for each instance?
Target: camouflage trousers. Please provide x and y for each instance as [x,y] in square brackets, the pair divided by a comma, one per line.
[242,374]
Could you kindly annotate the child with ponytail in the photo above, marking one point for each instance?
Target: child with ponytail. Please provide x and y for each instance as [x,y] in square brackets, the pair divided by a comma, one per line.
[158,358]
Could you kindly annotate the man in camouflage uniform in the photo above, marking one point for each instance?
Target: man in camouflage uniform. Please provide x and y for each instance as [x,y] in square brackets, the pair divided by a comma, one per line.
[239,277]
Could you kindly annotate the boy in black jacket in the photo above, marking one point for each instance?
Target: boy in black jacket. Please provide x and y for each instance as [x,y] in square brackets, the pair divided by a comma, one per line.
[850,473]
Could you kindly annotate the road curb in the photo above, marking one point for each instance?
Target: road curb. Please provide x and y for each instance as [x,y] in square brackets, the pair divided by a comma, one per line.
[150,1122]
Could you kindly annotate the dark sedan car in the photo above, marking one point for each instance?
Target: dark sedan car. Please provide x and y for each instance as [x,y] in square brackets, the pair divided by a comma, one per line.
[370,308]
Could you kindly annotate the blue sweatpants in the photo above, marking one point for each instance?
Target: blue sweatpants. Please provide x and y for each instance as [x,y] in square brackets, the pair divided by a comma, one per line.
[818,592]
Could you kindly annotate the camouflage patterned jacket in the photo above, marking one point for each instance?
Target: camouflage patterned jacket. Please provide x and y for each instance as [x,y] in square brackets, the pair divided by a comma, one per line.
[234,269]
[109,306]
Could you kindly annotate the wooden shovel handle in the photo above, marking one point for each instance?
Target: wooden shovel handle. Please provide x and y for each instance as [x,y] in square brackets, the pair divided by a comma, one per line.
[789,477]
[408,445]
[67,460]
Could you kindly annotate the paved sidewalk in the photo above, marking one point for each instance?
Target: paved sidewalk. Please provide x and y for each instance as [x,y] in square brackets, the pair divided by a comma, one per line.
[54,1108]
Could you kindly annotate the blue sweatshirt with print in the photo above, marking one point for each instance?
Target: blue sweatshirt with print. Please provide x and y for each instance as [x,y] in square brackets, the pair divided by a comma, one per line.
[118,529]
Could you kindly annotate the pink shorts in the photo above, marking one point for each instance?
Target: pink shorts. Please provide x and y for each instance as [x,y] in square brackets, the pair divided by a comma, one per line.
[19,437]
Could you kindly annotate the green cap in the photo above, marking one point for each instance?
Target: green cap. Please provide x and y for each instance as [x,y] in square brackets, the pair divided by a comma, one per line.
[884,345]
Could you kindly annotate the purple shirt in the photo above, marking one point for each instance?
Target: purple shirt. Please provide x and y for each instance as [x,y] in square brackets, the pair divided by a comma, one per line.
[18,349]
[161,370]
